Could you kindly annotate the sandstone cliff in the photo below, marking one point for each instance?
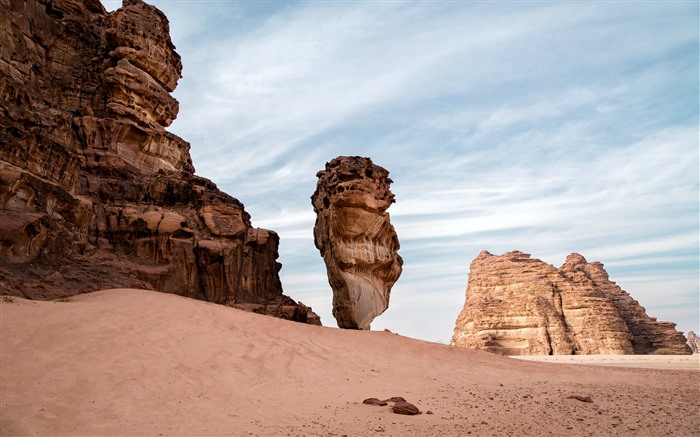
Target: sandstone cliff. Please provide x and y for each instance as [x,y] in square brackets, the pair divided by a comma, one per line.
[94,192]
[694,342]
[517,305]
[356,238]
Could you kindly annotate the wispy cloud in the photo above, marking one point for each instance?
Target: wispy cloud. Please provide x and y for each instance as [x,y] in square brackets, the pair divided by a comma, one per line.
[544,127]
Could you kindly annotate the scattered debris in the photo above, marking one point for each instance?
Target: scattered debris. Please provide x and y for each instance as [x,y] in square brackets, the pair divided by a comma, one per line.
[400,405]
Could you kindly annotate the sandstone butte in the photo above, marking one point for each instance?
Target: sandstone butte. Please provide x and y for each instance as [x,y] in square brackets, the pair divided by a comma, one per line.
[94,192]
[356,239]
[517,305]
[694,342]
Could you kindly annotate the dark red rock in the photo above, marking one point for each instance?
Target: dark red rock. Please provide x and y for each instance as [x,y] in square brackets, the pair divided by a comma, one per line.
[374,401]
[405,408]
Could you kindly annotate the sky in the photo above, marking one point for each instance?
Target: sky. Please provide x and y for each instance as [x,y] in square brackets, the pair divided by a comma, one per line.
[540,126]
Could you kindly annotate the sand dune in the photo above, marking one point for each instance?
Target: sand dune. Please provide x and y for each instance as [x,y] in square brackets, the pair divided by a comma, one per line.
[128,362]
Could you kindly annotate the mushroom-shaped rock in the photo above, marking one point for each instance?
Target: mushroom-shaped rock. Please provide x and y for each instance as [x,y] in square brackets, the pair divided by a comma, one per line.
[356,238]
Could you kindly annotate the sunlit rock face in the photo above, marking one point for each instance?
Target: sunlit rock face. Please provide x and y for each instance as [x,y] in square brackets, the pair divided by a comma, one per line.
[94,192]
[694,342]
[356,239]
[517,305]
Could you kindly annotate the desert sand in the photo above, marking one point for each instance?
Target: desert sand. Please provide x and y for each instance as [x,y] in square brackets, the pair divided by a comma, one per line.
[677,362]
[129,362]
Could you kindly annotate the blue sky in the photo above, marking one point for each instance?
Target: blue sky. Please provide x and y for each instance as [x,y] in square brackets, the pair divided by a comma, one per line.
[545,127]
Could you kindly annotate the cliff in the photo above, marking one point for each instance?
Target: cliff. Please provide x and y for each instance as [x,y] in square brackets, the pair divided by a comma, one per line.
[94,192]
[354,235]
[517,305]
[694,342]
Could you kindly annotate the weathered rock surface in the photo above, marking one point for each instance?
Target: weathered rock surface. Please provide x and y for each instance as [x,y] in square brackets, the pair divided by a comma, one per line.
[517,305]
[356,238]
[694,342]
[94,192]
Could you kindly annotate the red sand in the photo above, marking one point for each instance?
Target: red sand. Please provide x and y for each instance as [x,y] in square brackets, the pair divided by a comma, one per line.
[128,362]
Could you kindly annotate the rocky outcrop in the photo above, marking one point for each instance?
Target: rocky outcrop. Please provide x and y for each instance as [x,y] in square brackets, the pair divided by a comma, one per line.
[356,238]
[517,305]
[694,342]
[94,192]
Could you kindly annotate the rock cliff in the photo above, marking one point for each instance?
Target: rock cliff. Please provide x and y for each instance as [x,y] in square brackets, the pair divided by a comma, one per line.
[517,305]
[356,238]
[94,192]
[694,342]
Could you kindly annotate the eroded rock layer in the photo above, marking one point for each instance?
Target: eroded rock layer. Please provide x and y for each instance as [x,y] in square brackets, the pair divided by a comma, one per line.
[694,342]
[94,192]
[356,239]
[517,305]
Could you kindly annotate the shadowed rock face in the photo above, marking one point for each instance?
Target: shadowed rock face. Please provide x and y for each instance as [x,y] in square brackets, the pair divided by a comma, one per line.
[356,238]
[94,192]
[517,305]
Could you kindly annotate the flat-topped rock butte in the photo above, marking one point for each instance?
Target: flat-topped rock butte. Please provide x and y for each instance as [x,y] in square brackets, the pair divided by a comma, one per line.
[518,305]
[94,192]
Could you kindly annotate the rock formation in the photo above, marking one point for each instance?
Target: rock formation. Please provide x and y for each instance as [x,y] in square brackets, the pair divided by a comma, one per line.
[356,239]
[94,192]
[694,342]
[516,305]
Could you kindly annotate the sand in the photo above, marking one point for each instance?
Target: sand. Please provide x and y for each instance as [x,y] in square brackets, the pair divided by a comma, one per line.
[129,362]
[677,362]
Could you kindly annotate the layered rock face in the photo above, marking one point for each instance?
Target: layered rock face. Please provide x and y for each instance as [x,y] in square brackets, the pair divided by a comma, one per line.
[94,192]
[694,342]
[356,239]
[517,305]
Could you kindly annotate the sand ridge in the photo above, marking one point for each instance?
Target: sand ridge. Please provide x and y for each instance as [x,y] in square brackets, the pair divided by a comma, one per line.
[130,362]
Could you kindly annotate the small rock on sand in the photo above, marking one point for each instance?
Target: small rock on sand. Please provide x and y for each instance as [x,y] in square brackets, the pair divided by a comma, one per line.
[405,408]
[374,401]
